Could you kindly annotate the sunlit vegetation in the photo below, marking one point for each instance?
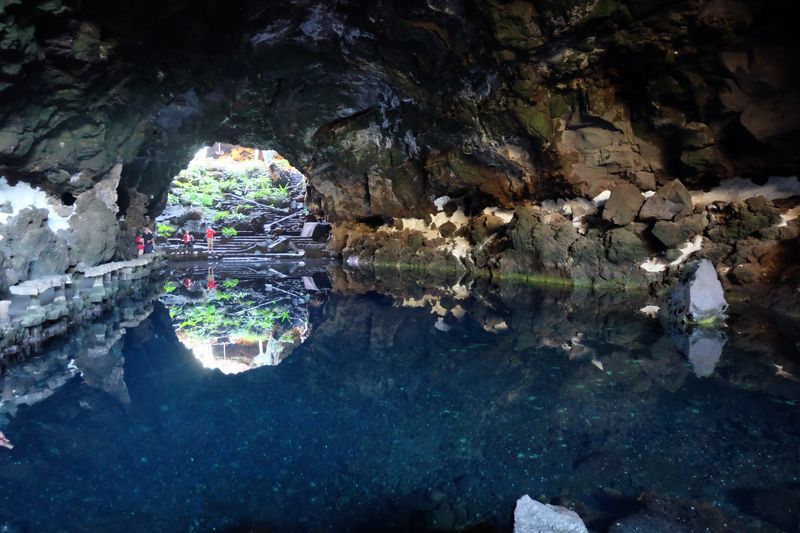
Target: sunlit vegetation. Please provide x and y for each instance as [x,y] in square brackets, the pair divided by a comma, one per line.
[237,191]
[165,230]
[231,189]
[233,312]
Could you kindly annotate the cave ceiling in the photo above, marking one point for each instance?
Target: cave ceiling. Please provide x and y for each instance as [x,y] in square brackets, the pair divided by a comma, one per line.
[387,105]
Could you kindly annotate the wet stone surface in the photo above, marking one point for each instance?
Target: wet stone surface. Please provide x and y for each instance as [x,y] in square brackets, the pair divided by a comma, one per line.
[414,408]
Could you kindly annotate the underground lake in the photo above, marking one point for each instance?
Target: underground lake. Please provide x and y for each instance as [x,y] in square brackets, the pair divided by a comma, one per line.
[405,408]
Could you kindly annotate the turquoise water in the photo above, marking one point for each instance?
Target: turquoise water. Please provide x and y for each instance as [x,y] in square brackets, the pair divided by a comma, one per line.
[408,408]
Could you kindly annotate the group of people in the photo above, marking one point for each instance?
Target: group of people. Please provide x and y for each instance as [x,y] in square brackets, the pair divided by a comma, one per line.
[145,240]
[188,239]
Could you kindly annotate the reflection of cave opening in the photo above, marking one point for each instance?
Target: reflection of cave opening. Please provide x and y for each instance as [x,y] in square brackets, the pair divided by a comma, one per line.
[235,319]
[253,199]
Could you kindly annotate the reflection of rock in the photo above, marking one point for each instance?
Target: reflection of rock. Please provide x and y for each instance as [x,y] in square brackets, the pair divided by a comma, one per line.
[703,347]
[92,350]
[531,516]
[699,296]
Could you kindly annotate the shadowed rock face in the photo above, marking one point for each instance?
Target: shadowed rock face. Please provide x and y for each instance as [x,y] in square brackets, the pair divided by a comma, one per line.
[387,105]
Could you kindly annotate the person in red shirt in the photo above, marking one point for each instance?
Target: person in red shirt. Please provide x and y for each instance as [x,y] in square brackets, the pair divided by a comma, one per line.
[212,283]
[187,241]
[210,239]
[139,244]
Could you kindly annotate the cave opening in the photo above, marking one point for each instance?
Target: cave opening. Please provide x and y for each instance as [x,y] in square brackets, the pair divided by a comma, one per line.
[252,198]
[237,296]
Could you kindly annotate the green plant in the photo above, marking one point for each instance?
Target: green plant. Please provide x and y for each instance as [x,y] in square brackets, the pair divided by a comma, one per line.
[165,230]
[229,232]
[219,215]
[169,287]
[230,283]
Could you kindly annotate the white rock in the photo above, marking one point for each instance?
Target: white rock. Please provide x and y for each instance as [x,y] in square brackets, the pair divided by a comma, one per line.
[699,295]
[531,516]
[601,198]
[650,310]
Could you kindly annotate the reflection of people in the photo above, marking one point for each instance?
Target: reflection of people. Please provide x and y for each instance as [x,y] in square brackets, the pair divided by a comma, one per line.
[148,240]
[211,283]
[187,240]
[187,282]
[210,238]
[139,243]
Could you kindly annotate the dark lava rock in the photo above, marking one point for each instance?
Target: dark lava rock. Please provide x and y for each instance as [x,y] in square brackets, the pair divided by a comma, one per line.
[539,239]
[482,226]
[447,229]
[625,246]
[94,227]
[623,205]
[744,219]
[672,234]
[672,254]
[30,249]
[670,202]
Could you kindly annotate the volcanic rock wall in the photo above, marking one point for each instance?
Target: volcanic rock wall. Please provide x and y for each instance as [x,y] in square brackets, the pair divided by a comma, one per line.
[386,106]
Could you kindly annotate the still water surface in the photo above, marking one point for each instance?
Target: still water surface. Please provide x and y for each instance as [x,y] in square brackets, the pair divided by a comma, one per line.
[400,408]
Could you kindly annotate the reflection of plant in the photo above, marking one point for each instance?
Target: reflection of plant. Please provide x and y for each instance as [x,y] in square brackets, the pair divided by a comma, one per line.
[230,283]
[165,230]
[220,296]
[169,287]
[229,232]
[241,320]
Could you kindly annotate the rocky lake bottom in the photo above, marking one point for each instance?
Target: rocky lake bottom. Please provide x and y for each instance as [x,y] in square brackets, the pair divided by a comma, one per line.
[409,408]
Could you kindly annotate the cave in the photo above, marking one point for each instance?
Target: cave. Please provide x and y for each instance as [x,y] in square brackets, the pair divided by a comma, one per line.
[474,265]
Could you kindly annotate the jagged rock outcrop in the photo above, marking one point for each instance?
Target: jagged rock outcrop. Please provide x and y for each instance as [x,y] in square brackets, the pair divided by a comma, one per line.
[699,297]
[387,106]
[531,516]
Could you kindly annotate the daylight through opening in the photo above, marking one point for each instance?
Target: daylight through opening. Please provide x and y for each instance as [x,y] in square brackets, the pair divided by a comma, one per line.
[238,233]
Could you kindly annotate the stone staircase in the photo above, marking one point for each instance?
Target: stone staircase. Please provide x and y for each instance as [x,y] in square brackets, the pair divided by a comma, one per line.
[248,247]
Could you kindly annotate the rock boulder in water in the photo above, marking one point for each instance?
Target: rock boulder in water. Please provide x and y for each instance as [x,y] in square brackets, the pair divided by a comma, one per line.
[699,296]
[531,516]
